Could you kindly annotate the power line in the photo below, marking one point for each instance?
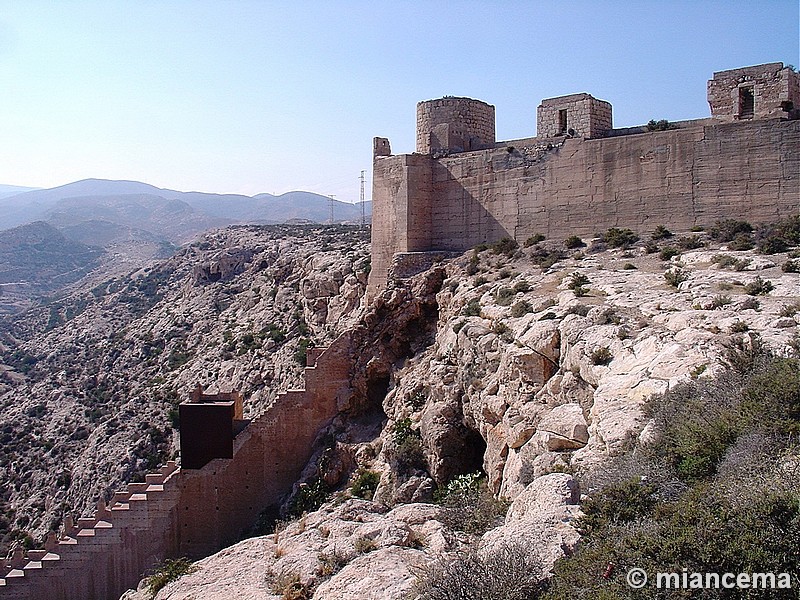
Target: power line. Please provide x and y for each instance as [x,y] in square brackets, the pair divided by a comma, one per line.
[363,218]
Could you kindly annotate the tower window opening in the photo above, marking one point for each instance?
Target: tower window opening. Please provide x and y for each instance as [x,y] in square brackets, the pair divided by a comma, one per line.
[746,103]
[562,121]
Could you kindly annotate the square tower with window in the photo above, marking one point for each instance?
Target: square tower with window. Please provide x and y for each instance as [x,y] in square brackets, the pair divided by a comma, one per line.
[768,91]
[576,115]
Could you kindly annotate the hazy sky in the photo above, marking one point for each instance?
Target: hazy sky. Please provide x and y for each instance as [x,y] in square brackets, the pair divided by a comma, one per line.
[267,96]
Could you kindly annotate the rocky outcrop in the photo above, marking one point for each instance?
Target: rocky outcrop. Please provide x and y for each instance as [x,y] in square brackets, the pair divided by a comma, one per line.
[535,378]
[361,550]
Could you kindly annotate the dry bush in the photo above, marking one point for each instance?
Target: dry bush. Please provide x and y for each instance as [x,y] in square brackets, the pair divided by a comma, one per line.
[506,571]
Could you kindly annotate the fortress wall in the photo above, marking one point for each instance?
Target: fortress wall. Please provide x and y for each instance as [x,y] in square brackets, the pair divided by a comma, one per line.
[584,115]
[680,178]
[770,85]
[105,555]
[192,512]
[399,181]
[223,500]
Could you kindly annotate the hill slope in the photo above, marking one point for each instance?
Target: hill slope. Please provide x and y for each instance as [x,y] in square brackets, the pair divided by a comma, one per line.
[36,260]
[89,384]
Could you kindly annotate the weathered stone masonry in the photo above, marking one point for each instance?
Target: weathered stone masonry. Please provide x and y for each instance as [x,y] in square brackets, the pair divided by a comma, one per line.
[187,512]
[580,176]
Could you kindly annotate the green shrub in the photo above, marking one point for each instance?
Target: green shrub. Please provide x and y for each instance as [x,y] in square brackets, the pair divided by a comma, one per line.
[759,286]
[661,233]
[573,242]
[727,229]
[505,296]
[741,242]
[522,286]
[520,309]
[675,277]
[309,497]
[660,125]
[534,239]
[750,303]
[365,484]
[791,266]
[619,238]
[506,571]
[619,503]
[691,242]
[505,246]
[474,261]
[668,252]
[479,281]
[739,327]
[601,356]
[771,244]
[577,283]
[629,267]
[364,544]
[726,261]
[469,505]
[407,454]
[472,309]
[169,571]
[544,258]
[302,350]
[720,300]
[790,310]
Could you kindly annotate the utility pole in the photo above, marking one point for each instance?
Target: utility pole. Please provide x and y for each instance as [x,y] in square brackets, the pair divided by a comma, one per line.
[330,204]
[363,219]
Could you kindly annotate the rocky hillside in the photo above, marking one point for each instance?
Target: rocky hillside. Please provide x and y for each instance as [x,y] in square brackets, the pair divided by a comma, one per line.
[89,385]
[36,260]
[510,373]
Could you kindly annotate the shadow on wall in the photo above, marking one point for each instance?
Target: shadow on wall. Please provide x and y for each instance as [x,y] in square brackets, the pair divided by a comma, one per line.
[459,218]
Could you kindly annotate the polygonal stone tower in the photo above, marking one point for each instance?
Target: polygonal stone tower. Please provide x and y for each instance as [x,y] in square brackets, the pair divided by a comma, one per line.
[453,124]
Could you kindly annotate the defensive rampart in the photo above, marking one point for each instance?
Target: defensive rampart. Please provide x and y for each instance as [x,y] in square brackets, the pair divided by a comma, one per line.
[582,177]
[186,512]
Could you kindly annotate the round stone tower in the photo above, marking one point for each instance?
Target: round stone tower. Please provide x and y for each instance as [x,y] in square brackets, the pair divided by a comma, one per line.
[454,125]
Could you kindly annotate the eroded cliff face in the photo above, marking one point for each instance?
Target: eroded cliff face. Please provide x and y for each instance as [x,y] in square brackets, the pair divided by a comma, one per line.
[89,384]
[535,377]
[556,381]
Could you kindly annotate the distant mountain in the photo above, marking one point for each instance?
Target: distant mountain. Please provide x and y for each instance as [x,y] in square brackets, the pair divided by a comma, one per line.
[35,205]
[13,190]
[37,259]
[142,216]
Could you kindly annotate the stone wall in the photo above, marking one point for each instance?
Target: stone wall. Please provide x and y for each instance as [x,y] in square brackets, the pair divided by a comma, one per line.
[101,557]
[771,86]
[187,512]
[219,502]
[454,124]
[577,115]
[680,178]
